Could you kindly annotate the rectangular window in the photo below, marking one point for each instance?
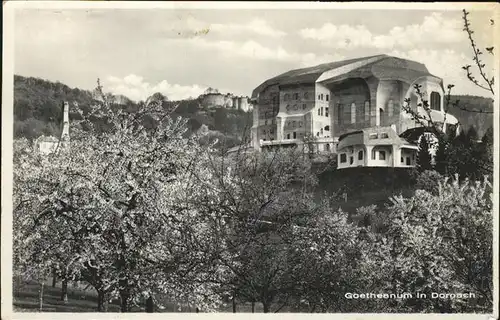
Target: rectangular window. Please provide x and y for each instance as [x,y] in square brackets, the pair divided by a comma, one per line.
[381,155]
[304,106]
[319,97]
[319,112]
[402,160]
[327,97]
[360,155]
[408,161]
[326,112]
[373,136]
[295,135]
[373,154]
[343,158]
[288,136]
[384,135]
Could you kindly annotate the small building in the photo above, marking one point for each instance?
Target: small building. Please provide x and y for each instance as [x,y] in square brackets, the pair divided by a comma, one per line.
[46,145]
[375,147]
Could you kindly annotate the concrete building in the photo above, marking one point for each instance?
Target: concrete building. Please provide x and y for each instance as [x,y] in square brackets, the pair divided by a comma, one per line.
[325,102]
[46,145]
[229,101]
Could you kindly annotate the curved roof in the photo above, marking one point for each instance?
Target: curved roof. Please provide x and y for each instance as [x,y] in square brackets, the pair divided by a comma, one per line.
[381,66]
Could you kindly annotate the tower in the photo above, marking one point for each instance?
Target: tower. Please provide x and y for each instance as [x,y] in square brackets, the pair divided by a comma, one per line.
[65,124]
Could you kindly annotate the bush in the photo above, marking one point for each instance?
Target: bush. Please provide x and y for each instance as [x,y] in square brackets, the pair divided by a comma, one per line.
[429,181]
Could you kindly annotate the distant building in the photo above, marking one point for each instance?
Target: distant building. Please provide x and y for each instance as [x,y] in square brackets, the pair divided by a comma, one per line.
[213,98]
[320,106]
[50,144]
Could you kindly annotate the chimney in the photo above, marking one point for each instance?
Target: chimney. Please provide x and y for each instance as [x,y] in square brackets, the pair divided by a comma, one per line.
[65,125]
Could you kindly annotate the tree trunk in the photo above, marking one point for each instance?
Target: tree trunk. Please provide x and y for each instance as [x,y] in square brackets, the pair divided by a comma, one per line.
[267,306]
[54,277]
[101,301]
[234,304]
[150,305]
[64,290]
[253,306]
[124,296]
[41,296]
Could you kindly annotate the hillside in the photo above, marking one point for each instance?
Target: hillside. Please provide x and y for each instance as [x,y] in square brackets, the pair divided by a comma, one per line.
[38,111]
[480,121]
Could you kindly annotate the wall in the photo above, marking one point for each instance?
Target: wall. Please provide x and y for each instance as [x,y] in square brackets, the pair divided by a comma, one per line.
[388,162]
[351,151]
[265,111]
[320,121]
[389,90]
[412,154]
[344,94]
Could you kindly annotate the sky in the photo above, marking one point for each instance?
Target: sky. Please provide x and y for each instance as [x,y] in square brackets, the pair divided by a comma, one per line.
[181,52]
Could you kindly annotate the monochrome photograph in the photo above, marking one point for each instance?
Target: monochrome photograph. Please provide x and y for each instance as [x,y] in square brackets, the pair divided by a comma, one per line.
[243,158]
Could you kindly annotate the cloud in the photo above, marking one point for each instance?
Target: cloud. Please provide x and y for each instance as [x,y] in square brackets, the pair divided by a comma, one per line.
[434,29]
[253,50]
[446,64]
[256,26]
[136,88]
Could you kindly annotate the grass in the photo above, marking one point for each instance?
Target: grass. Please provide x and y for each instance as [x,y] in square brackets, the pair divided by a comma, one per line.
[26,299]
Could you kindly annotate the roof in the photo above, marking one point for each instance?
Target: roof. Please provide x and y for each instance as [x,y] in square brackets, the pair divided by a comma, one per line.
[364,137]
[381,66]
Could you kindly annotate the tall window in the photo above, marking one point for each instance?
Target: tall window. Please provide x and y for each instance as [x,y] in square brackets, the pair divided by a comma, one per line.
[326,112]
[381,155]
[373,154]
[340,113]
[435,101]
[319,111]
[288,136]
[327,97]
[353,113]
[360,155]
[304,106]
[295,135]
[343,158]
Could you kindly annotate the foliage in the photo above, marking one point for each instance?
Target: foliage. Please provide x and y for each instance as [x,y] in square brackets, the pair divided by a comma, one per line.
[424,158]
[429,180]
[440,243]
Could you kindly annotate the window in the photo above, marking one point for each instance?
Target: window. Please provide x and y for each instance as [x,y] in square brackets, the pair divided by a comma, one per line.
[408,161]
[373,136]
[306,95]
[327,147]
[319,112]
[384,135]
[373,154]
[343,158]
[353,113]
[381,155]
[327,128]
[265,123]
[340,113]
[294,124]
[351,160]
[327,97]
[295,135]
[304,106]
[321,131]
[288,136]
[319,97]
[296,96]
[295,107]
[402,160]
[317,134]
[287,107]
[326,112]
[435,101]
[360,155]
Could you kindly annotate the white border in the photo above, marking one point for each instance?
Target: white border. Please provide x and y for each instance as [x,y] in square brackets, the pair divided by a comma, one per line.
[7,134]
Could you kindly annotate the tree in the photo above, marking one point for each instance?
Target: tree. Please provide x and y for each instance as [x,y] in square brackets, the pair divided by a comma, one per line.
[437,241]
[118,200]
[424,158]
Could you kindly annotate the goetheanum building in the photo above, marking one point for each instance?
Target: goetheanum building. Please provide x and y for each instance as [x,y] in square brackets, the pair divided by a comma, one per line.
[335,107]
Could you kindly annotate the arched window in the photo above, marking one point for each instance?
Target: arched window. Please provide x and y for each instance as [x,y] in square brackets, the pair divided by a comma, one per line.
[353,113]
[435,101]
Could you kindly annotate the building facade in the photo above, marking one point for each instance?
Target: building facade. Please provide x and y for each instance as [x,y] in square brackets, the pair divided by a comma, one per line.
[330,101]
